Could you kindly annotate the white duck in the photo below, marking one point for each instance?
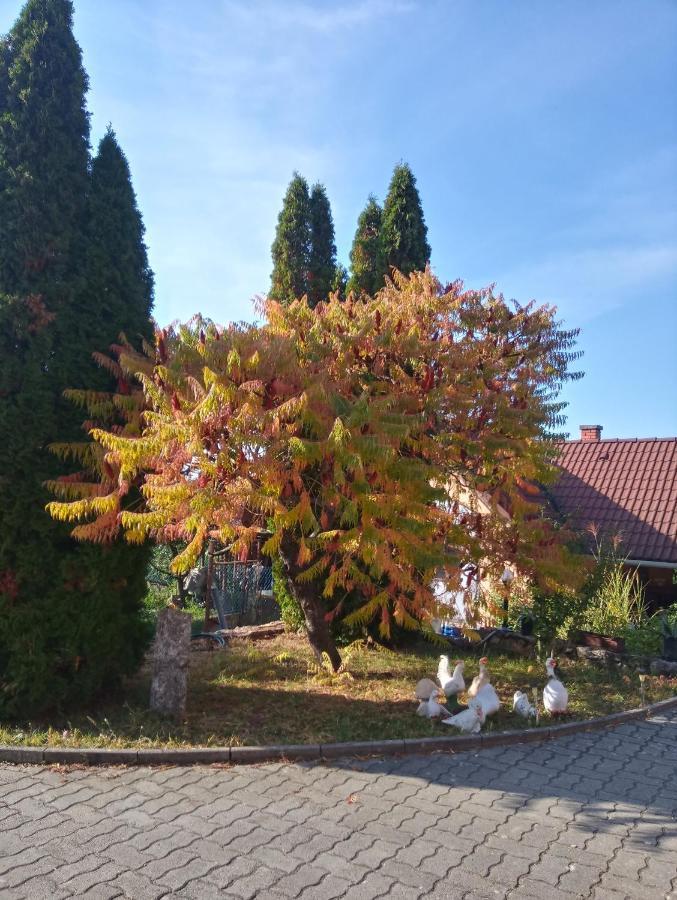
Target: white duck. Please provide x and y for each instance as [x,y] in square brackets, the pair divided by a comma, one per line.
[430,708]
[483,690]
[479,680]
[425,689]
[521,705]
[555,695]
[488,699]
[451,684]
[469,721]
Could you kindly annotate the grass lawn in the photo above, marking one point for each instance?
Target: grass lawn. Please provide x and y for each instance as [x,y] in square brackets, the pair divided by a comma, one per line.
[269,692]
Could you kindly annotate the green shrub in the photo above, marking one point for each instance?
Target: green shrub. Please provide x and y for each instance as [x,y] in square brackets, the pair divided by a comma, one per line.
[645,640]
[291,612]
[668,621]
[618,602]
[156,598]
[77,641]
[556,614]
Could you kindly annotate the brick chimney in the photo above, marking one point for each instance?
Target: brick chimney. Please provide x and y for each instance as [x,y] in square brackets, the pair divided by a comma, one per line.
[591,433]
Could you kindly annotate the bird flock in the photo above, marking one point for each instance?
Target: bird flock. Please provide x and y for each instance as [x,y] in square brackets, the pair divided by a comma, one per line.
[482,699]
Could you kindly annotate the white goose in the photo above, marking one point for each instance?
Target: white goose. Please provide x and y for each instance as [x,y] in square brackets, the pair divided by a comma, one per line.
[469,721]
[488,699]
[425,689]
[484,691]
[521,705]
[451,684]
[479,680]
[555,695]
[430,708]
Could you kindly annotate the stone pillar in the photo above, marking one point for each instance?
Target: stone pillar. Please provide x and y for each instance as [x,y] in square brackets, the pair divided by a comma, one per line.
[170,663]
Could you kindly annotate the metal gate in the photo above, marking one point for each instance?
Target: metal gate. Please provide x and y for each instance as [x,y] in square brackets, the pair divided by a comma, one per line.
[242,593]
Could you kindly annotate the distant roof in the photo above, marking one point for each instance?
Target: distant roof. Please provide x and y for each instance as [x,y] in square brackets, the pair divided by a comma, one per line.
[623,487]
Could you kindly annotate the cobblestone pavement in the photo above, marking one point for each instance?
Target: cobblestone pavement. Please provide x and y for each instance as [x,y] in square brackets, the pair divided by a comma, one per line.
[592,815]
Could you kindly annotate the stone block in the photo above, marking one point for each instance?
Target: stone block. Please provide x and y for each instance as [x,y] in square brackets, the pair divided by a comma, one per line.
[170,654]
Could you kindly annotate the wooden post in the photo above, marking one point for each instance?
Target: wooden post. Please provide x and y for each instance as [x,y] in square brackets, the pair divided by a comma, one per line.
[210,578]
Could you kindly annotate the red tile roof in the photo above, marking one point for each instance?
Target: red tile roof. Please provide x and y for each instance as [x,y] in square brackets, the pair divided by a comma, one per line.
[624,487]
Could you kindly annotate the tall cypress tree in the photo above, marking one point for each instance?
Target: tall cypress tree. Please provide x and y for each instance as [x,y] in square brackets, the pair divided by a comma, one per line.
[340,281]
[366,257]
[291,247]
[69,614]
[404,234]
[119,279]
[322,266]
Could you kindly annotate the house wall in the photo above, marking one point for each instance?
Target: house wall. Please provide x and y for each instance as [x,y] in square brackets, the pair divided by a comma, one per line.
[660,586]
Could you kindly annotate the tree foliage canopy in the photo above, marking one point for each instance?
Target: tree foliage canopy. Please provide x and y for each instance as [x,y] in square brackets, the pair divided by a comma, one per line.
[366,257]
[404,235]
[69,613]
[119,280]
[322,265]
[354,427]
[292,244]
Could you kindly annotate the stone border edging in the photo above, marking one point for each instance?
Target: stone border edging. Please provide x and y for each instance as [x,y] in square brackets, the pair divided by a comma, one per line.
[294,752]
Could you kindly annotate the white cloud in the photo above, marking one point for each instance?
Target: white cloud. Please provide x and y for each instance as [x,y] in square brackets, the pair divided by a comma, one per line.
[586,283]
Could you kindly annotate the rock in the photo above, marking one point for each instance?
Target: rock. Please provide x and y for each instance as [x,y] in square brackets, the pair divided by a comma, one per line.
[505,641]
[606,657]
[170,663]
[663,667]
[257,632]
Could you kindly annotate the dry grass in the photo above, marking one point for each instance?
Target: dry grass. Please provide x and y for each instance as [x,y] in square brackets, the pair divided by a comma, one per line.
[270,692]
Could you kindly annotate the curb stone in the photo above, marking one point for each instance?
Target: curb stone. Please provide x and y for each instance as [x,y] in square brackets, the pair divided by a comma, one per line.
[281,752]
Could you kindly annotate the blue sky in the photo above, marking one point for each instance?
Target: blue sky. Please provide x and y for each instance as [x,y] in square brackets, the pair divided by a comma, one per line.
[543,137]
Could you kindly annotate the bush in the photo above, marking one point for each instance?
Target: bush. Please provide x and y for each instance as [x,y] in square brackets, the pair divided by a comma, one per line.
[156,598]
[647,639]
[291,612]
[76,641]
[618,602]
[556,614]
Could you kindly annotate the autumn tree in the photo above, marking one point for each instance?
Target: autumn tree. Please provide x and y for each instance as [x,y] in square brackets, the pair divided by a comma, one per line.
[404,234]
[367,267]
[362,430]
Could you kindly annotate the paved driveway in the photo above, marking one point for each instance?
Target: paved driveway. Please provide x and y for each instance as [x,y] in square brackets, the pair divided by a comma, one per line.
[592,815]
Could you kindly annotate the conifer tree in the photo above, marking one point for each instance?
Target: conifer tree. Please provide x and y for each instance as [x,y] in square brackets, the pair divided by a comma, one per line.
[366,258]
[322,267]
[404,242]
[119,279]
[340,282]
[69,613]
[291,247]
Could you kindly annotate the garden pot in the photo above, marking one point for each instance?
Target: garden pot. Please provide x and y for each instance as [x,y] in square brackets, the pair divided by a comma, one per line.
[601,641]
[670,648]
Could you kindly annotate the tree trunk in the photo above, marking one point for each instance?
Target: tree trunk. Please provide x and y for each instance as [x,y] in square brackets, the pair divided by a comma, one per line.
[182,591]
[308,595]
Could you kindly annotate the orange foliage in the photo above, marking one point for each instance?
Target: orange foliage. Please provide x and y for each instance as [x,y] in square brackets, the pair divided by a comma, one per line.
[350,430]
